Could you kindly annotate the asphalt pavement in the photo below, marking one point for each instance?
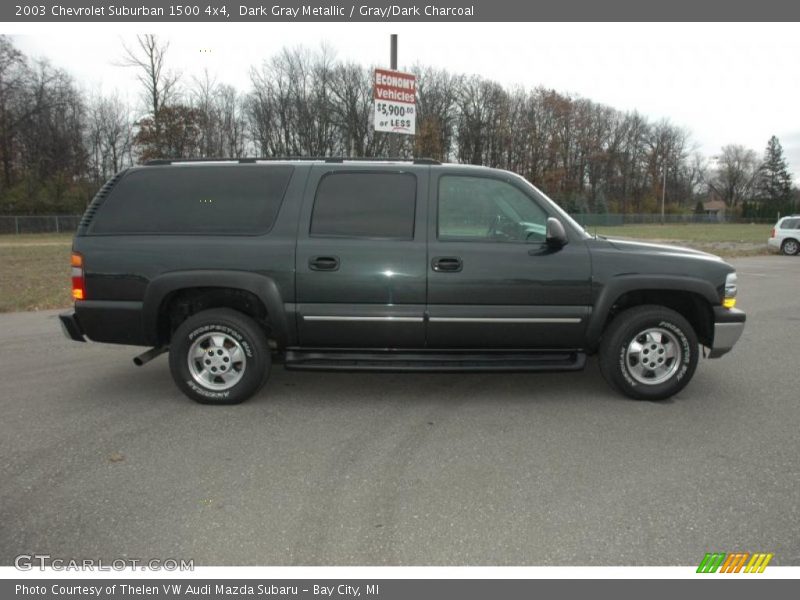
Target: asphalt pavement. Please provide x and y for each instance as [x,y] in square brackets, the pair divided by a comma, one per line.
[102,459]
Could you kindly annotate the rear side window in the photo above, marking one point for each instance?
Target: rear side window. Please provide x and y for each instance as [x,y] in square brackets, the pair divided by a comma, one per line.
[209,199]
[369,205]
[789,223]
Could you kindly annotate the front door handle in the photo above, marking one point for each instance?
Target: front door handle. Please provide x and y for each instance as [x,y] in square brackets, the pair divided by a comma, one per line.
[323,263]
[447,264]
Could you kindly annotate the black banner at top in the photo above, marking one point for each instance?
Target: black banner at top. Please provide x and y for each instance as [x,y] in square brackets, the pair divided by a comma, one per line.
[398,11]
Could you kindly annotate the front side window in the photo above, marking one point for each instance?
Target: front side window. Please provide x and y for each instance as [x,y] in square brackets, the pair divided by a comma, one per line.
[369,205]
[481,209]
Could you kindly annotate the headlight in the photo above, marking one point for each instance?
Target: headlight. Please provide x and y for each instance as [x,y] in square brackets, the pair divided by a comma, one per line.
[729,301]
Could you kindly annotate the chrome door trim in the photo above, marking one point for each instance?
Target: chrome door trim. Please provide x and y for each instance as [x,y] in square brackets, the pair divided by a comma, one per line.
[343,318]
[505,319]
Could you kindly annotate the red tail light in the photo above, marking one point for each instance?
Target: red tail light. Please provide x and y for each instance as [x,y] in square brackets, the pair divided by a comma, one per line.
[78,284]
[772,235]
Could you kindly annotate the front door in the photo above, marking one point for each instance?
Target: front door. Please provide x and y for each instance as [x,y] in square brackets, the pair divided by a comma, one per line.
[492,281]
[360,261]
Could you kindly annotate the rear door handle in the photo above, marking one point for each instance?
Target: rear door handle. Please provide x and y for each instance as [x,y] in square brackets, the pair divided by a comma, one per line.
[323,263]
[447,264]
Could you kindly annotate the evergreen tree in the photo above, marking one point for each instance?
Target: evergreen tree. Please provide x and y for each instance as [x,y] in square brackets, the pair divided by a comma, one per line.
[775,182]
[601,203]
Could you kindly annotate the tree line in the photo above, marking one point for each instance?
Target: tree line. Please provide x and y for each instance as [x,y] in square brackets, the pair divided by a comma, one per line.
[58,144]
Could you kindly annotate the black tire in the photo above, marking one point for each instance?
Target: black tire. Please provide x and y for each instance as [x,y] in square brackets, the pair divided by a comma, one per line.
[627,370]
[244,345]
[790,247]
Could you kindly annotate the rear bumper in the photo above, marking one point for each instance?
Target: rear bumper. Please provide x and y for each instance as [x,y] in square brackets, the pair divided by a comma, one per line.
[105,321]
[774,244]
[70,326]
[728,328]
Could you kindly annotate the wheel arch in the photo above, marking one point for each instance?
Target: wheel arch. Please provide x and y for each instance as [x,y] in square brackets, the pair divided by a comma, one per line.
[789,239]
[255,295]
[691,297]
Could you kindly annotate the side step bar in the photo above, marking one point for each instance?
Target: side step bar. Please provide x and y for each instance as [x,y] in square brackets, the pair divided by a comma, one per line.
[401,360]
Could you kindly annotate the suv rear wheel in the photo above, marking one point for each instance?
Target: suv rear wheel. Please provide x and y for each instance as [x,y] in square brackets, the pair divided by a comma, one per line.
[649,352]
[790,247]
[219,356]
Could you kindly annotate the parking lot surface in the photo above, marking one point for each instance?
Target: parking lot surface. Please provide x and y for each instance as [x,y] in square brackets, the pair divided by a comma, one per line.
[100,458]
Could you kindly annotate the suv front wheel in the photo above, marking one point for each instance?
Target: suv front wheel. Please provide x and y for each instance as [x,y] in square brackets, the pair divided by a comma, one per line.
[219,356]
[649,352]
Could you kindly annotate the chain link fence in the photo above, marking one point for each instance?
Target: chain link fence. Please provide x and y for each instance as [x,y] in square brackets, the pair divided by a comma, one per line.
[39,223]
[69,223]
[611,219]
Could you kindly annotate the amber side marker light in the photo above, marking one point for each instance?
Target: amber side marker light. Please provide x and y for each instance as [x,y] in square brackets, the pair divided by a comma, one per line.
[78,284]
[731,289]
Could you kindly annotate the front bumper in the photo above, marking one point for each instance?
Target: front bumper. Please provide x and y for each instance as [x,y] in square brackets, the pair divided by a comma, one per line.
[71,327]
[728,328]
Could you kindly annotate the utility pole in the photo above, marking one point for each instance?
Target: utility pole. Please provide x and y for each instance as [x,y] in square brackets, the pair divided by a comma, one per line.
[394,138]
[663,192]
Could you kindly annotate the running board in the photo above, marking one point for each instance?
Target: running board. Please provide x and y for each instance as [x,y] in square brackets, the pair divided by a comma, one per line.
[401,360]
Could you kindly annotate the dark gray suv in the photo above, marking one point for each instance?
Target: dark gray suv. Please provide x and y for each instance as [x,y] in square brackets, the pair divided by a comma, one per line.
[381,265]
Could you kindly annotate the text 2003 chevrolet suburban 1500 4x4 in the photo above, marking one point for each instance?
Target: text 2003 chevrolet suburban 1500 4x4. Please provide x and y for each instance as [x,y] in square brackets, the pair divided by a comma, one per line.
[381,265]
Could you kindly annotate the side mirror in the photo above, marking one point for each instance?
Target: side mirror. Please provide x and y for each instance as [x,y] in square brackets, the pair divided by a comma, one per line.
[556,235]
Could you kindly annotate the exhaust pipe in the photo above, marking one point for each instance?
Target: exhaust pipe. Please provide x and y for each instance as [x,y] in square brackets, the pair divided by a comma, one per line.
[146,357]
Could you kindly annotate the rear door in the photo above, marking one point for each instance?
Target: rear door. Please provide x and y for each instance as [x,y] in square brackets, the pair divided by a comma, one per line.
[361,258]
[492,281]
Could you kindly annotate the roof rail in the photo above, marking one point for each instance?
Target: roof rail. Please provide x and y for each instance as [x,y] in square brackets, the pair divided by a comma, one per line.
[416,161]
[247,160]
[327,159]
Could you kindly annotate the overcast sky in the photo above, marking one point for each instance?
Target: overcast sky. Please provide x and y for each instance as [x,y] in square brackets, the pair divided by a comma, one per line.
[725,83]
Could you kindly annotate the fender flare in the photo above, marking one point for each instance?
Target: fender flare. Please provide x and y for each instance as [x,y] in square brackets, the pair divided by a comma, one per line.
[261,286]
[622,284]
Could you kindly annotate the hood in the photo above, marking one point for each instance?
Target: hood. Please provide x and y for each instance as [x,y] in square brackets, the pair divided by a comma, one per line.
[662,249]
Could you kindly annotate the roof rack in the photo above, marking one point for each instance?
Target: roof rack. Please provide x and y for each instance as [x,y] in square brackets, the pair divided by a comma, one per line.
[327,159]
[416,161]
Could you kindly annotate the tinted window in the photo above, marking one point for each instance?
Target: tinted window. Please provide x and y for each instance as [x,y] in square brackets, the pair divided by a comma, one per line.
[373,205]
[195,199]
[480,209]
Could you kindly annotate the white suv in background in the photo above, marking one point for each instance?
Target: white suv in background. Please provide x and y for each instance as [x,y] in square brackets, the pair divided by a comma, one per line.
[785,235]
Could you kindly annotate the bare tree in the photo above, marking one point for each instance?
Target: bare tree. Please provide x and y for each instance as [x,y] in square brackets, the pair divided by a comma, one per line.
[221,118]
[56,146]
[437,94]
[109,136]
[351,111]
[735,175]
[148,57]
